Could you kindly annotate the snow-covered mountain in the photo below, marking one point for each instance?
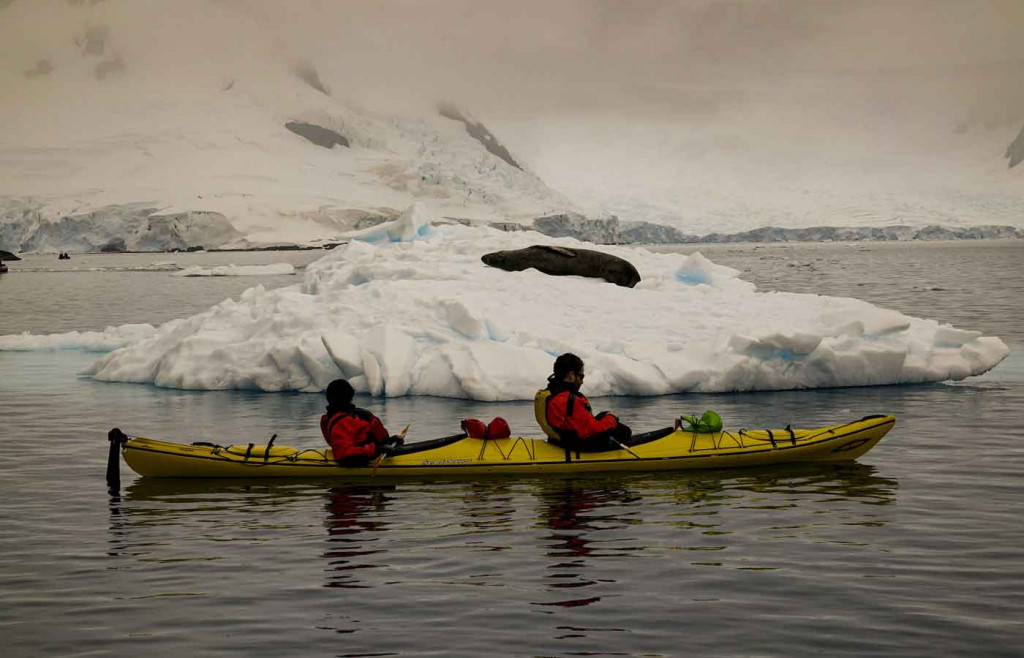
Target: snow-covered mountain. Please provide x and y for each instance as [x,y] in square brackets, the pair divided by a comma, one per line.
[98,131]
[135,124]
[796,163]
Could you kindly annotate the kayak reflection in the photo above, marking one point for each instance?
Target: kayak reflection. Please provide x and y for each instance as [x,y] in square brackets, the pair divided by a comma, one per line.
[586,519]
[193,520]
[351,512]
[487,509]
[601,529]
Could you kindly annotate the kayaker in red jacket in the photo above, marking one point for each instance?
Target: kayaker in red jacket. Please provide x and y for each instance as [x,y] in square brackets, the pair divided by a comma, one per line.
[569,414]
[355,435]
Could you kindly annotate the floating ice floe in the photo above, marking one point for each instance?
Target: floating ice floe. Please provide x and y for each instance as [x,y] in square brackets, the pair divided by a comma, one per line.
[424,316]
[109,339]
[239,270]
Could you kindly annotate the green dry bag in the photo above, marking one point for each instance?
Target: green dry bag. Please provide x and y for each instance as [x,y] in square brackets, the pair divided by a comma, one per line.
[708,422]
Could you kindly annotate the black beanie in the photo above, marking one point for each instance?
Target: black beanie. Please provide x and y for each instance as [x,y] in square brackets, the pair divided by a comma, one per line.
[339,393]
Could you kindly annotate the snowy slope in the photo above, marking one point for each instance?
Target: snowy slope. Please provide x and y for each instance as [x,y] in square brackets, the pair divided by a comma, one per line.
[792,162]
[93,116]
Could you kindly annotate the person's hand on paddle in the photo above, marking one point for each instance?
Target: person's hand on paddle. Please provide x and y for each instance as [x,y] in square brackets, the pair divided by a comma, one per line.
[389,447]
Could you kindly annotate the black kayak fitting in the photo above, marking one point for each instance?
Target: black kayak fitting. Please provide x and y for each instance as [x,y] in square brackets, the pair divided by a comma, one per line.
[116,438]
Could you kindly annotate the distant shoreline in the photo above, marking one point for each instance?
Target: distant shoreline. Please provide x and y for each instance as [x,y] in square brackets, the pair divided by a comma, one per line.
[634,244]
[612,230]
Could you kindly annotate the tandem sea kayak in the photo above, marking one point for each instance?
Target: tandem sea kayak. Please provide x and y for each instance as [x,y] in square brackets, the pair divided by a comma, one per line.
[662,450]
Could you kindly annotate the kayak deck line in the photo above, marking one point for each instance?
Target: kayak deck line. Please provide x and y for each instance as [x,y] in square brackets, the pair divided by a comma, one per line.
[665,449]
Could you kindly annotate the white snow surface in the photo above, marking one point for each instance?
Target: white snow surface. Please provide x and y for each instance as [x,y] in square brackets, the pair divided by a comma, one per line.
[238,270]
[424,316]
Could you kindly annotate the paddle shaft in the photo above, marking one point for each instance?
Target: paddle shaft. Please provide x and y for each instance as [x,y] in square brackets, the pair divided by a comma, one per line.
[381,456]
[624,447]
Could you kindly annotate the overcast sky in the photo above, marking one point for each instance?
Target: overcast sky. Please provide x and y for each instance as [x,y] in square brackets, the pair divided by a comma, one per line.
[530,56]
[679,56]
[640,87]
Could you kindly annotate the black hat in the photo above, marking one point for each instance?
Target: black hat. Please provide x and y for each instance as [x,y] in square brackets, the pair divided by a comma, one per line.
[339,393]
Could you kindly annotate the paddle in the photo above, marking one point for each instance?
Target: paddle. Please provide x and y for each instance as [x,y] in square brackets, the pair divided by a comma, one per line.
[616,441]
[625,447]
[380,458]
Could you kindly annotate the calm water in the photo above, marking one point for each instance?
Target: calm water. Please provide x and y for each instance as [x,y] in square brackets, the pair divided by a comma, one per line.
[916,549]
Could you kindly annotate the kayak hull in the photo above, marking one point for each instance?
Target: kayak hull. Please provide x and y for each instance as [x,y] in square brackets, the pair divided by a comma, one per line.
[666,450]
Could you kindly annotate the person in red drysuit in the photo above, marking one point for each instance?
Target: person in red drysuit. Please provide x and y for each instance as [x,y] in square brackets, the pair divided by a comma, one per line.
[568,411]
[355,435]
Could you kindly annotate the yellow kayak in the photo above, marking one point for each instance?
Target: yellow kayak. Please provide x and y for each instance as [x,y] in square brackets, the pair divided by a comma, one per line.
[661,450]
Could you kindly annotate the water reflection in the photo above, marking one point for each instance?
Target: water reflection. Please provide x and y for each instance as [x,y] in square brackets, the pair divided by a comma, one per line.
[179,520]
[351,513]
[846,481]
[116,537]
[731,515]
[488,511]
[583,517]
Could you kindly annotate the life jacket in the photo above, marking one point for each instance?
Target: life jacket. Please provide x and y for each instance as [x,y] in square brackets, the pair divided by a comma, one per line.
[541,401]
[580,424]
[540,412]
[349,433]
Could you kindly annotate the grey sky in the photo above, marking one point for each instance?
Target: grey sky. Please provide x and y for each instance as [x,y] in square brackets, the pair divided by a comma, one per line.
[655,54]
[682,57]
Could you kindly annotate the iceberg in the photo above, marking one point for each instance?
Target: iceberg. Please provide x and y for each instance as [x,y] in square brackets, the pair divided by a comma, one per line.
[412,310]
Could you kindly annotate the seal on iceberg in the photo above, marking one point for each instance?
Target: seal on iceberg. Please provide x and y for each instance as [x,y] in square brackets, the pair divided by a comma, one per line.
[564,261]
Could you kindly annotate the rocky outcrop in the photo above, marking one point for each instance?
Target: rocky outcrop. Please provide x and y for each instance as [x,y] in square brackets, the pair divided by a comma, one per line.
[479,132]
[319,135]
[612,231]
[866,234]
[1015,151]
[306,72]
[648,233]
[574,225]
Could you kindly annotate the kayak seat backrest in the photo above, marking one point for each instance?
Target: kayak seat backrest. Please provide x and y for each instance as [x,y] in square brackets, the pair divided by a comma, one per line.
[540,412]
